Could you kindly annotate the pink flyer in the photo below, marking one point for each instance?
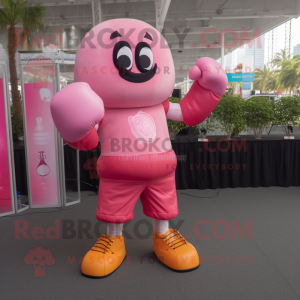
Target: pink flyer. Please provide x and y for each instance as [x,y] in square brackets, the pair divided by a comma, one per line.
[41,145]
[5,195]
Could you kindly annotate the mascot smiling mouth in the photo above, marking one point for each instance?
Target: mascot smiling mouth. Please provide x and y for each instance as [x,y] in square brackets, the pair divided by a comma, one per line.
[137,77]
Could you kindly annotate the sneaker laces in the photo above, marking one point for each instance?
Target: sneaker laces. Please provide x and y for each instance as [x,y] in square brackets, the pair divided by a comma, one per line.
[103,244]
[178,239]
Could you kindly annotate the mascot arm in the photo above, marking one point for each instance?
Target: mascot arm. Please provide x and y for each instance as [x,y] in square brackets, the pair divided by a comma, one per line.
[172,110]
[77,111]
[210,84]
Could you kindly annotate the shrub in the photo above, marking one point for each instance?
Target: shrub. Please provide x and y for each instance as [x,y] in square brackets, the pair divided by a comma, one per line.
[230,114]
[259,112]
[287,112]
[174,126]
[208,125]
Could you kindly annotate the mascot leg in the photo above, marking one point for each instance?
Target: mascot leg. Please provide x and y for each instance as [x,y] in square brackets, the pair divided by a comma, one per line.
[114,229]
[106,255]
[116,202]
[159,200]
[174,251]
[160,226]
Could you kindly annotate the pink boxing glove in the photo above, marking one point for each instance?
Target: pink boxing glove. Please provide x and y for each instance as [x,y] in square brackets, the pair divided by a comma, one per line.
[209,75]
[77,111]
[210,84]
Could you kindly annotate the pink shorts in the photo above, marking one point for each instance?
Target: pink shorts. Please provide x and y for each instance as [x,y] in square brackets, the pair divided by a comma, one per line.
[152,178]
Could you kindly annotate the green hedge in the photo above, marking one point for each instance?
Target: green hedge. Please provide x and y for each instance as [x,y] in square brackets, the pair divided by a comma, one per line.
[233,114]
[259,113]
[229,113]
[287,112]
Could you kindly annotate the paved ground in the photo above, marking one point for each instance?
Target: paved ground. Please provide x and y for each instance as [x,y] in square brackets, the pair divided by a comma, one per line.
[263,267]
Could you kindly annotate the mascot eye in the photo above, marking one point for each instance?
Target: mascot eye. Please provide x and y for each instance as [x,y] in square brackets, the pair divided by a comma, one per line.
[122,55]
[146,58]
[143,57]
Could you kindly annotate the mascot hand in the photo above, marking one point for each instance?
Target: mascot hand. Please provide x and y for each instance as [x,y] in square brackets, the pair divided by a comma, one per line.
[209,75]
[77,111]
[210,84]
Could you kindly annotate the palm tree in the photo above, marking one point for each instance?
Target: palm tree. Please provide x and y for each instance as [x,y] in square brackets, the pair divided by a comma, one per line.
[273,82]
[31,16]
[290,73]
[262,76]
[280,58]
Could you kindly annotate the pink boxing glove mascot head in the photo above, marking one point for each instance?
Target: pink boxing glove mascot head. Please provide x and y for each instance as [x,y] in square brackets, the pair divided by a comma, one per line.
[124,73]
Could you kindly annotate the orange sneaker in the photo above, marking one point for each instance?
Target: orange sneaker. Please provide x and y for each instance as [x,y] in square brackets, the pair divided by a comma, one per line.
[175,252]
[105,257]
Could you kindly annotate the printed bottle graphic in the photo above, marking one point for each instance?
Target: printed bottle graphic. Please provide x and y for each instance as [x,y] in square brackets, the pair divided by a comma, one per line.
[39,125]
[40,136]
[42,169]
[142,127]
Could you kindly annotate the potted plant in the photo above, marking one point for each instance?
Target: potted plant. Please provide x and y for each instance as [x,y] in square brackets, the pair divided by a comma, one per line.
[287,114]
[230,114]
[208,125]
[175,126]
[259,113]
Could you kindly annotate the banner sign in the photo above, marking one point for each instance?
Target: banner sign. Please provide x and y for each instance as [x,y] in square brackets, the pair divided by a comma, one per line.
[246,85]
[25,57]
[69,58]
[41,152]
[237,77]
[5,193]
[59,57]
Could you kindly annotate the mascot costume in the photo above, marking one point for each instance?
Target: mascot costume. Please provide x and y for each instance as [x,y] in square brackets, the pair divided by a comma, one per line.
[124,74]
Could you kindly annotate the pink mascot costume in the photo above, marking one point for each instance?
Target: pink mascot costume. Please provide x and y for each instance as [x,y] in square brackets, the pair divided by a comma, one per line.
[124,74]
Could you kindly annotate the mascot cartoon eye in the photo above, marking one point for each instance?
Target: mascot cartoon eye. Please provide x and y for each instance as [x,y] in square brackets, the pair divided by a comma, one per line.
[122,55]
[143,57]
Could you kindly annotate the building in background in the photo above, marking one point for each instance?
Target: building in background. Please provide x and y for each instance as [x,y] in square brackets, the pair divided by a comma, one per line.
[250,56]
[296,50]
[257,51]
[228,61]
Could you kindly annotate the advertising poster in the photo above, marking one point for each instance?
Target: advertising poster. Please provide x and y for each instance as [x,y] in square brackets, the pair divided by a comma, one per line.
[5,194]
[41,144]
[237,77]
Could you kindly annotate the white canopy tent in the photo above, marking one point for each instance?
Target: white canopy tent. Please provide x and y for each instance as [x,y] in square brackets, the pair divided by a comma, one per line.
[182,22]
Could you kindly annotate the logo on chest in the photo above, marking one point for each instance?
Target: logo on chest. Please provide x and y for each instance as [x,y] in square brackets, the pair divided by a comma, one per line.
[142,127]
